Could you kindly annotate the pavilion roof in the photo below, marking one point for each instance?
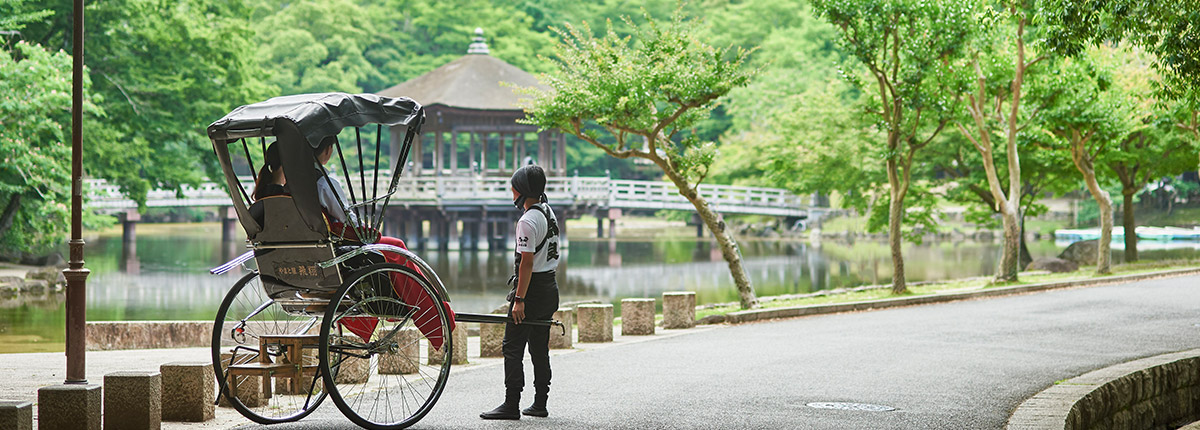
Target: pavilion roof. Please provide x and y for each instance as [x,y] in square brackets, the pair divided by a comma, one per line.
[472,81]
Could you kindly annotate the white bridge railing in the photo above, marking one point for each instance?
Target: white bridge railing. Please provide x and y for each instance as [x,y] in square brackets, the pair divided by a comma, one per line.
[436,191]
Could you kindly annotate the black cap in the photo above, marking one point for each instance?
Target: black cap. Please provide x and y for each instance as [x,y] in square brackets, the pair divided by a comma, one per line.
[272,158]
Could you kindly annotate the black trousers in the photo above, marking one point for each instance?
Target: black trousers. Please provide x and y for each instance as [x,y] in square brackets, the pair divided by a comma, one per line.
[541,302]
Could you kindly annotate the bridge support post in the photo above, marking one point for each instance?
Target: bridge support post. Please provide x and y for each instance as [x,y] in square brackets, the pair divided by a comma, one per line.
[452,232]
[599,226]
[479,234]
[129,260]
[229,223]
[699,226]
[613,215]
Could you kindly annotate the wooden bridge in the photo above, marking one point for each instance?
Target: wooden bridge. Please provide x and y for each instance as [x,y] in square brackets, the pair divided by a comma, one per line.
[446,200]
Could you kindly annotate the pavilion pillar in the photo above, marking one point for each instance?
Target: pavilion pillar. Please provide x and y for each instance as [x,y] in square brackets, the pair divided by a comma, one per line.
[483,150]
[438,148]
[503,152]
[453,153]
[543,148]
[417,154]
[561,168]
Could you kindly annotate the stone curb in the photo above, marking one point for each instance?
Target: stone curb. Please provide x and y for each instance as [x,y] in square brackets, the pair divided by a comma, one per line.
[1152,392]
[740,317]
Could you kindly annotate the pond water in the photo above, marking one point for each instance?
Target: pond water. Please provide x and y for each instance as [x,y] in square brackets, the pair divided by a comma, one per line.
[166,276]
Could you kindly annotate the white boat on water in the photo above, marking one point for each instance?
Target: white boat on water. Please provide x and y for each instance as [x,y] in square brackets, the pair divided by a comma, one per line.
[1143,232]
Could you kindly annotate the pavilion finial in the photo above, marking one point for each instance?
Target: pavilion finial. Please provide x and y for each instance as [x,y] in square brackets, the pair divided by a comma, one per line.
[478,45]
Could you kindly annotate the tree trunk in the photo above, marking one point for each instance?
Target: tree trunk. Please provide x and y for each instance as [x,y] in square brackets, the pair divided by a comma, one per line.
[729,247]
[1026,258]
[895,221]
[1010,261]
[1104,257]
[10,211]
[1127,220]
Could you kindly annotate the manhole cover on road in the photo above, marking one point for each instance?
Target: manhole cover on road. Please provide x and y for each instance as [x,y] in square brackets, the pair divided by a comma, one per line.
[851,406]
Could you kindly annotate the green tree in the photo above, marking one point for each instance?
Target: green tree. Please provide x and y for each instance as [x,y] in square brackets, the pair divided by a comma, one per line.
[908,49]
[994,110]
[646,95]
[1153,150]
[162,72]
[1088,114]
[35,154]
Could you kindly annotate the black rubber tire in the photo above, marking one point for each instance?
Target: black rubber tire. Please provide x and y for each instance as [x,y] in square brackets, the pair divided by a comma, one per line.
[359,292]
[244,293]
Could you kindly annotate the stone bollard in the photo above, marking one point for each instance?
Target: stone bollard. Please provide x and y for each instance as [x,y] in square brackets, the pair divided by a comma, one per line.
[249,388]
[133,400]
[407,357]
[459,344]
[491,340]
[353,370]
[491,336]
[16,415]
[558,338]
[637,317]
[595,323]
[69,407]
[679,309]
[187,391]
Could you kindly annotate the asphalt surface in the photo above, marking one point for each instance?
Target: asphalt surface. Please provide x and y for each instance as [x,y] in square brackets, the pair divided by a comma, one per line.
[963,365]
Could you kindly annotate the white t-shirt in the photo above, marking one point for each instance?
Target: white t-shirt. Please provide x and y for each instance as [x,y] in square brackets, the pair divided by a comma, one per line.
[531,229]
[326,196]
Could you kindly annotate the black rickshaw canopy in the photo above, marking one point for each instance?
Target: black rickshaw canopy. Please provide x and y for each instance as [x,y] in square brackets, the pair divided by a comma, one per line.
[316,115]
[299,123]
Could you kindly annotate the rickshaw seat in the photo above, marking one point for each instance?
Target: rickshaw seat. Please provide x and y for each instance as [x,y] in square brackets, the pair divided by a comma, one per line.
[287,251]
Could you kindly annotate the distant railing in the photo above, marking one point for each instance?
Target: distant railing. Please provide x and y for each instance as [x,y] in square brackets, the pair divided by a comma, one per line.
[434,190]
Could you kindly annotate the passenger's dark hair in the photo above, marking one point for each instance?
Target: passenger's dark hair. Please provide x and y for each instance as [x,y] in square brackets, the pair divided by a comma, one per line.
[272,162]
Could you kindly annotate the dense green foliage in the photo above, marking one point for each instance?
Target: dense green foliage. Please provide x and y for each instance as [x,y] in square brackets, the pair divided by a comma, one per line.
[35,155]
[807,120]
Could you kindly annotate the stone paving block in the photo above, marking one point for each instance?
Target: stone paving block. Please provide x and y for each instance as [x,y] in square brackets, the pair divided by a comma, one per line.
[560,338]
[187,391]
[458,355]
[595,323]
[679,309]
[16,415]
[69,407]
[132,400]
[407,357]
[637,317]
[353,370]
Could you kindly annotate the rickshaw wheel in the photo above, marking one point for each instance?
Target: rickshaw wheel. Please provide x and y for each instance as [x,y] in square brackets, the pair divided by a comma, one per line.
[386,381]
[290,400]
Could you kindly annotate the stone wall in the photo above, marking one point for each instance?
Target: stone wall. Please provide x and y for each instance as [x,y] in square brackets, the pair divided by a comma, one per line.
[109,335]
[1161,392]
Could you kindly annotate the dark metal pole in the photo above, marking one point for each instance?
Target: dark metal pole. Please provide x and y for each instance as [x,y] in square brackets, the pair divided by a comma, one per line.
[76,275]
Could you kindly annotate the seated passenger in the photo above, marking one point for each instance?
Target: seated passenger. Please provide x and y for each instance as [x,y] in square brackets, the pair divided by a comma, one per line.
[269,182]
[343,223]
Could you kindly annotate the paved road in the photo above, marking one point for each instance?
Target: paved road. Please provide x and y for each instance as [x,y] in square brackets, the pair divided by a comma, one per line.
[963,365]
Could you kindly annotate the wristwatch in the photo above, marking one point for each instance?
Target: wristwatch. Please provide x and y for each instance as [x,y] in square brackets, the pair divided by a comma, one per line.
[518,298]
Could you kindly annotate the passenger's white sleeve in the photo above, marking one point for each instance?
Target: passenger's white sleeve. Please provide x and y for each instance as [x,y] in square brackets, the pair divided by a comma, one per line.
[329,201]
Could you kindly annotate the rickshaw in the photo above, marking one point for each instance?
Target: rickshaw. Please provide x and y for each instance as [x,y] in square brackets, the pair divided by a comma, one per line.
[322,312]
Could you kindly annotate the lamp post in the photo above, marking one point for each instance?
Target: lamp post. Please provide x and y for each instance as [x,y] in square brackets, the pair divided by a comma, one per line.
[76,275]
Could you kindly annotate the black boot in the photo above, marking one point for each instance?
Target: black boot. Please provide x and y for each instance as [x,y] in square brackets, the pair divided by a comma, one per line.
[506,411]
[538,408]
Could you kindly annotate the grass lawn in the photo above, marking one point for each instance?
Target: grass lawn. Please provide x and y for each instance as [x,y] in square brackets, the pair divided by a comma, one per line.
[885,292]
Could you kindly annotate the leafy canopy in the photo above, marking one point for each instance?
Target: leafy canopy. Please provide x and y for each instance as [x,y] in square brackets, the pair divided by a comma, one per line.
[646,91]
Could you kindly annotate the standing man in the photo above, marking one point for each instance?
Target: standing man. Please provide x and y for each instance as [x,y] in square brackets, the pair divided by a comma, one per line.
[534,296]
